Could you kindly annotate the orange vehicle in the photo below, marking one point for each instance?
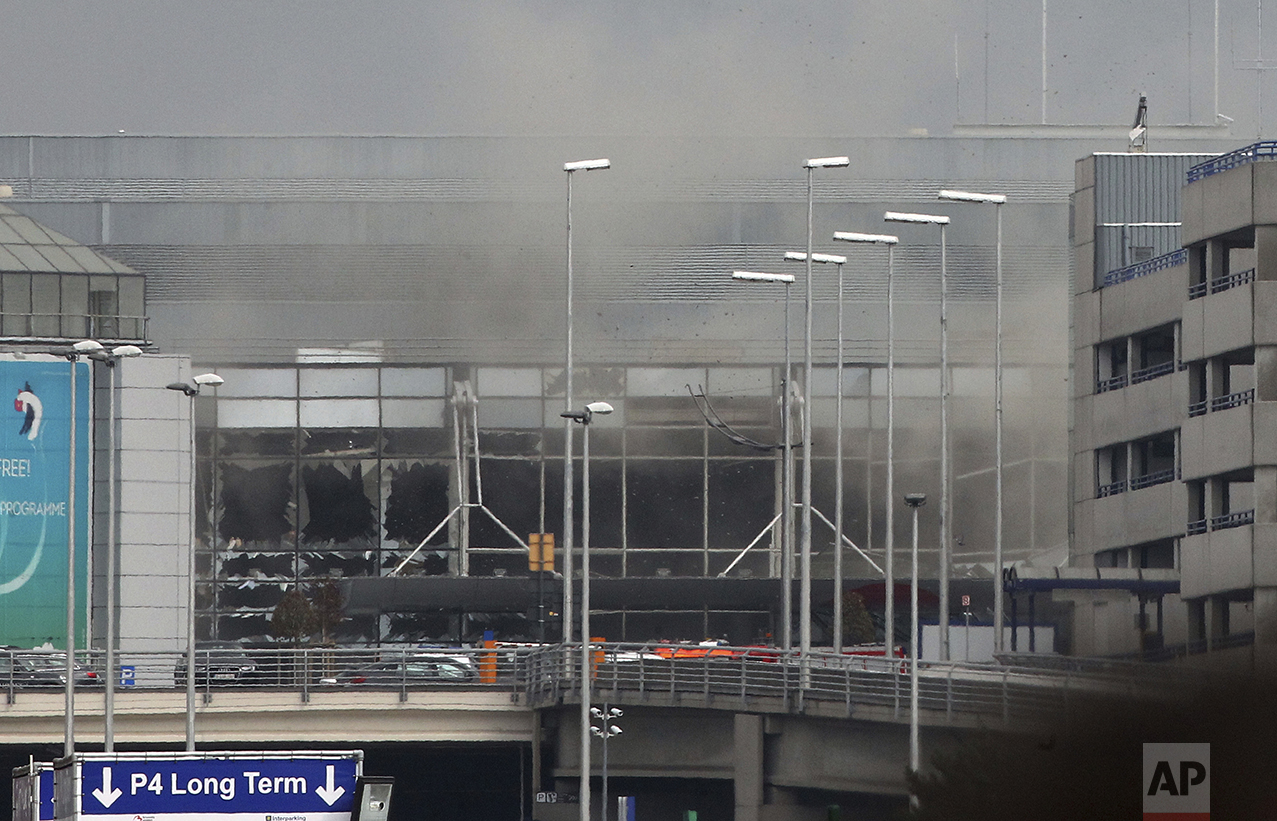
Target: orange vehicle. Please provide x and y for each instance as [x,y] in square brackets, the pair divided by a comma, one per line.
[711,648]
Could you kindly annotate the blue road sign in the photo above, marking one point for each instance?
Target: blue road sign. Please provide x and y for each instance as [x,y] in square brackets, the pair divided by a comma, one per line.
[313,787]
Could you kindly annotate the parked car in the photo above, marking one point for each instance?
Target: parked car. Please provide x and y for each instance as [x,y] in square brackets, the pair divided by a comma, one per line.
[222,662]
[428,668]
[34,668]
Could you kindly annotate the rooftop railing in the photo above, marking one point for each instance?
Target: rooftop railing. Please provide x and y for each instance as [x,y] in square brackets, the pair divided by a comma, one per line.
[1257,152]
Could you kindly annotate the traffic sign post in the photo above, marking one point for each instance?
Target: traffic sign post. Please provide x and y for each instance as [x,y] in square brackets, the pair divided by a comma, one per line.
[302,786]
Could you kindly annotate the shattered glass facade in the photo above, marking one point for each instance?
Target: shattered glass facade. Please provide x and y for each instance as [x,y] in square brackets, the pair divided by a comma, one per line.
[321,471]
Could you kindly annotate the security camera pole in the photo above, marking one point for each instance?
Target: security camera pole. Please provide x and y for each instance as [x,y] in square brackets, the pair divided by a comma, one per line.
[583,418]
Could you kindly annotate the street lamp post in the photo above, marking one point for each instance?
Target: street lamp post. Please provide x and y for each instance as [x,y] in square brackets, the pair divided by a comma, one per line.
[838,466]
[804,598]
[945,524]
[786,470]
[569,169]
[583,417]
[606,730]
[915,501]
[997,200]
[84,347]
[888,565]
[192,390]
[109,358]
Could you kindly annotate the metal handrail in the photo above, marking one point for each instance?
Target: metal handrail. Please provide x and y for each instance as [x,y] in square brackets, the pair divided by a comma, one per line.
[1242,156]
[103,327]
[1152,372]
[1146,267]
[1229,520]
[1198,408]
[1111,384]
[1111,489]
[1156,478]
[1220,284]
[1198,527]
[1232,280]
[1233,400]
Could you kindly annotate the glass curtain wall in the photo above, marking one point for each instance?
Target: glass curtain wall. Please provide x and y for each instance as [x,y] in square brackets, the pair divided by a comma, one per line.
[316,473]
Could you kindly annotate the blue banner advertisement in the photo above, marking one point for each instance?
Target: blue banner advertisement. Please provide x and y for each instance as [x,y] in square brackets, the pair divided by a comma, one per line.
[35,471]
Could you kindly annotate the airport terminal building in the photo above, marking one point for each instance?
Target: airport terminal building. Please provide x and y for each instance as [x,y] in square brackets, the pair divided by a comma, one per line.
[389,316]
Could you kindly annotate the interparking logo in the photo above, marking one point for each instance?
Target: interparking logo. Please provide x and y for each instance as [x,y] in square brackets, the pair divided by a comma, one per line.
[1176,782]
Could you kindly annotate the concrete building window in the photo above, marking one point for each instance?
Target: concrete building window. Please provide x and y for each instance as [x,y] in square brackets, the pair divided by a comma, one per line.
[1154,460]
[1135,465]
[72,306]
[1222,382]
[1221,502]
[1111,470]
[1137,358]
[1222,263]
[1154,352]
[1112,361]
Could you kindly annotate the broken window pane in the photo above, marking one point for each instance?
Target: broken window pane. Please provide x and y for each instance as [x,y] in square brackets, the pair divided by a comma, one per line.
[418,502]
[338,509]
[255,503]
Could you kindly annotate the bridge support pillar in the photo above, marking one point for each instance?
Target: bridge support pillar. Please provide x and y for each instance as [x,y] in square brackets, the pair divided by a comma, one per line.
[748,766]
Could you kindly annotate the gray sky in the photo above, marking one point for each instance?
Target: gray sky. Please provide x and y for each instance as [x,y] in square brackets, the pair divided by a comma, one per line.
[658,67]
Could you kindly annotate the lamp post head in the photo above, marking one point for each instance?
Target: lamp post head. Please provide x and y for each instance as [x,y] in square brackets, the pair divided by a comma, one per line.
[915,500]
[800,256]
[754,276]
[210,379]
[112,355]
[925,219]
[828,162]
[854,236]
[587,165]
[971,196]
[584,415]
[189,390]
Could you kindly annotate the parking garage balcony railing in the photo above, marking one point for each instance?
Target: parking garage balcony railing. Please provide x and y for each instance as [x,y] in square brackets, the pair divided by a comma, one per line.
[1229,520]
[1146,267]
[1152,372]
[1233,400]
[1159,477]
[1111,489]
[1256,152]
[1221,284]
[1225,522]
[1112,383]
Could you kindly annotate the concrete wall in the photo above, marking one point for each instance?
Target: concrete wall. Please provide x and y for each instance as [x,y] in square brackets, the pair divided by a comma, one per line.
[152,427]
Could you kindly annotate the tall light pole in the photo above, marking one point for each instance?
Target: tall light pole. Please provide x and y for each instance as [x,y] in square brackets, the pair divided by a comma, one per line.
[915,501]
[888,566]
[838,466]
[569,169]
[583,417]
[945,524]
[786,471]
[997,200]
[192,390]
[109,358]
[83,347]
[804,599]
